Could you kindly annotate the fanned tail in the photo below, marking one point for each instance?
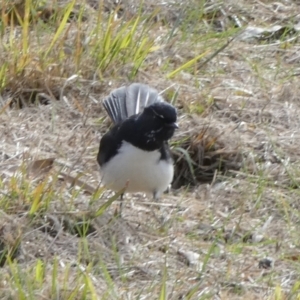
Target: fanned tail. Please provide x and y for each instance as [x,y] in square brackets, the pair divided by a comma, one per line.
[127,101]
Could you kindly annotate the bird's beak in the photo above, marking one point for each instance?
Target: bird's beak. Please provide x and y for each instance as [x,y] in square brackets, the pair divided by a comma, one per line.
[173,125]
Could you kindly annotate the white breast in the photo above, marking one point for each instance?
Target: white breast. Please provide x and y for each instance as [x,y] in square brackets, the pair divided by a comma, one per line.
[143,170]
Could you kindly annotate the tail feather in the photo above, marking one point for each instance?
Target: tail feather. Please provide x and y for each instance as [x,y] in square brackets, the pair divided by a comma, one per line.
[127,101]
[115,105]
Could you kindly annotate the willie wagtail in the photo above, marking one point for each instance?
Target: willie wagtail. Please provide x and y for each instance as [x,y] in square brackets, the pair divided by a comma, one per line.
[135,151]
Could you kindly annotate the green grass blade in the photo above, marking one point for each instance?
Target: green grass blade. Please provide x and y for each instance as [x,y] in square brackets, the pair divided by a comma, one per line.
[61,27]
[163,289]
[25,26]
[187,64]
[188,160]
[108,203]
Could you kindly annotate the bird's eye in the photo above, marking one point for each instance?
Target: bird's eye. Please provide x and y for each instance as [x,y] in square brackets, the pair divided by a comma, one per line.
[158,115]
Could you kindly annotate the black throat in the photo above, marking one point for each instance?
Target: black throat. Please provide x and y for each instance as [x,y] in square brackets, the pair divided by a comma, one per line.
[130,132]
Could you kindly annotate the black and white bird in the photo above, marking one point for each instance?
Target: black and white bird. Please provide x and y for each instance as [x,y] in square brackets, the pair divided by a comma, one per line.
[135,152]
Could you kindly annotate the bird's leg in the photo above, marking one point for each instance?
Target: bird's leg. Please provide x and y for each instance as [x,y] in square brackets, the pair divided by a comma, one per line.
[121,204]
[155,199]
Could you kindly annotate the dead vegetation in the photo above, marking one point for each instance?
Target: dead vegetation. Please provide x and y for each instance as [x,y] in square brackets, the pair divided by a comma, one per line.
[229,228]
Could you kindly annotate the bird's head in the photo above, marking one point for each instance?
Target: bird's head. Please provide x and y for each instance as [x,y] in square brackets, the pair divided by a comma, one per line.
[158,121]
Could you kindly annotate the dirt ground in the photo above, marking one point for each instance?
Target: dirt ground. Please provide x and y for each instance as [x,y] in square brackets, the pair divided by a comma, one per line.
[231,235]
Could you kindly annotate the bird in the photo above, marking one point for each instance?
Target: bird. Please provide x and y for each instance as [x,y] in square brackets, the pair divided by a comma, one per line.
[134,154]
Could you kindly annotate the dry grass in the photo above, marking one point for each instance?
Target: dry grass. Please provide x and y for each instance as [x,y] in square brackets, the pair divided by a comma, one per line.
[230,229]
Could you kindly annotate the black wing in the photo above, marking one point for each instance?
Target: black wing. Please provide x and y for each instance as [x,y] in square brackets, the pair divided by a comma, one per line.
[109,146]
